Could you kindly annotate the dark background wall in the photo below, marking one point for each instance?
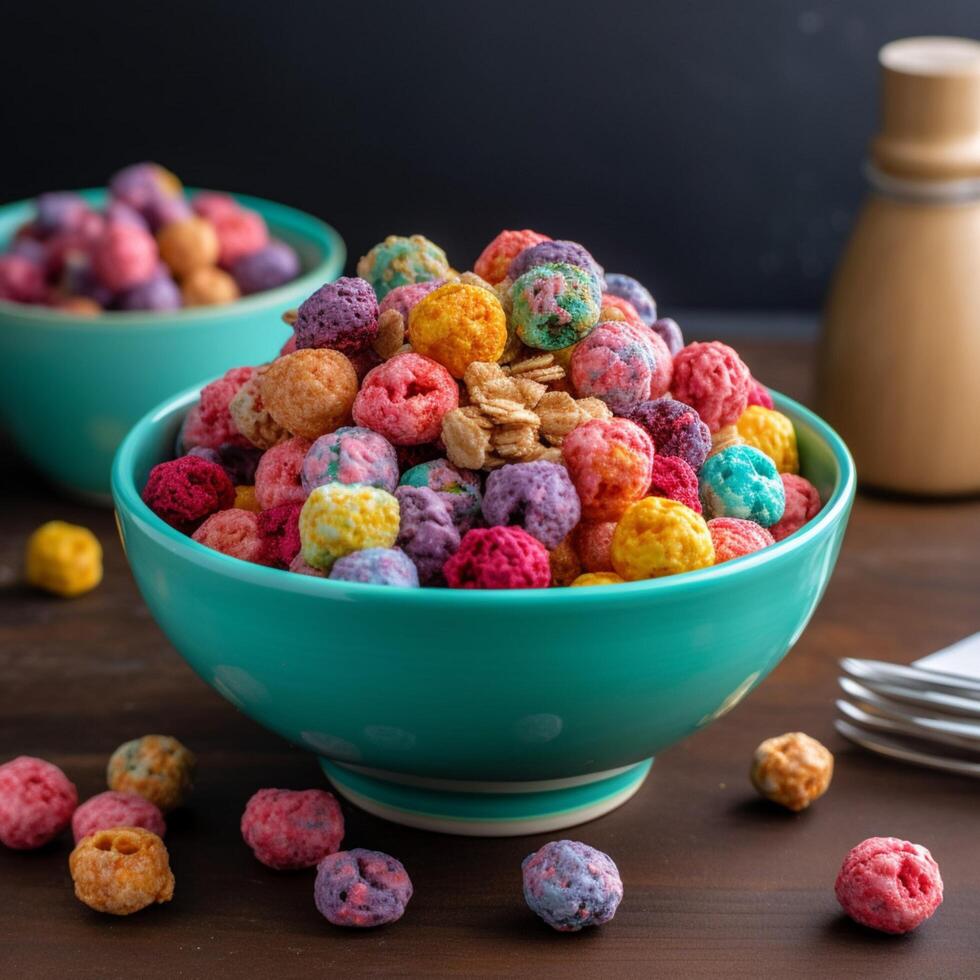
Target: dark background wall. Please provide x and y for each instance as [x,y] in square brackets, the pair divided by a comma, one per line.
[711,148]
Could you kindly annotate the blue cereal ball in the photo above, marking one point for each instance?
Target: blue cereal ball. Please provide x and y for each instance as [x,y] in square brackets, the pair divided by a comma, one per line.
[741,481]
[377,566]
[626,287]
[571,885]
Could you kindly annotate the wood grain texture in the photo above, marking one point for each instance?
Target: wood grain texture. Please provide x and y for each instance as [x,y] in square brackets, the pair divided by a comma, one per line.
[718,883]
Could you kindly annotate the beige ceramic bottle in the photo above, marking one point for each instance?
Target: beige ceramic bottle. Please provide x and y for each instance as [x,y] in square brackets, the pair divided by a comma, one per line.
[900,357]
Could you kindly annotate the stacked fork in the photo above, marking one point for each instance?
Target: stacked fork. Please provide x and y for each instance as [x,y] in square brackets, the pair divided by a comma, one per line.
[927,713]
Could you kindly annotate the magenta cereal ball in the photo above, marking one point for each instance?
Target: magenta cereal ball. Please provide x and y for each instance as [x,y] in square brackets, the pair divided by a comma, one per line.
[537,496]
[36,802]
[342,315]
[351,454]
[675,428]
[290,829]
[361,888]
[111,809]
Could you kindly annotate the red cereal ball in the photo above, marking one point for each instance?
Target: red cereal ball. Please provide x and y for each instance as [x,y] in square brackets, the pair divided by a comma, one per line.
[233,532]
[184,491]
[889,884]
[499,558]
[495,259]
[802,505]
[713,380]
[36,802]
[674,478]
[21,281]
[610,462]
[592,540]
[279,475]
[289,829]
[210,423]
[240,233]
[733,537]
[759,394]
[279,528]
[112,809]
[405,399]
[214,205]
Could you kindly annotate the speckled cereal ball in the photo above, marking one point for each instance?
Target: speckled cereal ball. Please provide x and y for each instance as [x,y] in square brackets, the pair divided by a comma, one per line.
[592,540]
[278,479]
[342,315]
[598,578]
[338,519]
[712,379]
[556,252]
[208,286]
[733,537]
[759,394]
[675,428]
[427,533]
[210,422]
[564,562]
[184,491]
[352,454]
[240,232]
[158,293]
[157,767]
[555,306]
[63,559]
[111,809]
[406,398]
[495,259]
[610,462]
[889,884]
[252,419]
[36,802]
[634,292]
[658,536]
[121,870]
[188,245]
[670,333]
[458,489]
[290,829]
[616,363]
[802,505]
[673,478]
[398,261]
[742,482]
[537,496]
[571,885]
[279,530]
[377,566]
[233,532]
[792,770]
[271,266]
[310,392]
[124,256]
[457,324]
[361,888]
[772,433]
[499,558]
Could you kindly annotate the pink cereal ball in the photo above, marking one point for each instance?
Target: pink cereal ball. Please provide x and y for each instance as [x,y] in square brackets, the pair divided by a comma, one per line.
[802,505]
[405,399]
[759,394]
[21,280]
[210,423]
[499,558]
[495,259]
[734,537]
[240,233]
[279,475]
[233,532]
[290,829]
[889,884]
[112,809]
[663,371]
[674,478]
[36,802]
[615,363]
[713,380]
[124,256]
[214,205]
[403,298]
[592,541]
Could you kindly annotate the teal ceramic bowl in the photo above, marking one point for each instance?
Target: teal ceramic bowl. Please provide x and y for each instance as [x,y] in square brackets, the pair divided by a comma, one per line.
[71,387]
[486,713]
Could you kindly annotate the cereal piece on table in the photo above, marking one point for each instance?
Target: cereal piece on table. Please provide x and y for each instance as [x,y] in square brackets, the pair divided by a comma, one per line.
[245,499]
[124,256]
[495,259]
[36,802]
[234,533]
[565,564]
[555,306]
[670,333]
[121,870]
[184,491]
[310,392]
[111,809]
[338,519]
[399,261]
[733,537]
[361,888]
[889,884]
[252,419]
[635,293]
[278,479]
[656,537]
[742,482]
[571,885]
[726,436]
[712,379]
[240,232]
[376,566]
[64,559]
[556,252]
[158,293]
[592,540]
[772,433]
[279,530]
[352,454]
[341,315]
[792,770]
[210,422]
[208,286]
[188,245]
[271,266]
[802,505]
[759,394]
[427,532]
[156,767]
[598,578]
[539,497]
[499,558]
[674,478]
[459,489]
[290,829]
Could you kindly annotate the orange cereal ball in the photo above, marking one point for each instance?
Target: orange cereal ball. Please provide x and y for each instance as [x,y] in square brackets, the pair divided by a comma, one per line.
[157,767]
[495,259]
[658,536]
[121,871]
[188,244]
[565,564]
[458,324]
[772,433]
[792,770]
[592,540]
[597,578]
[208,286]
[310,392]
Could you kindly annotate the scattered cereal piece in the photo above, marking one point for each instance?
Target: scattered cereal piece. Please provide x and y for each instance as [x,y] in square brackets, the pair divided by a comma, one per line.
[338,519]
[157,767]
[733,537]
[36,802]
[361,888]
[111,809]
[290,829]
[772,433]
[802,505]
[792,770]
[657,536]
[310,392]
[499,558]
[63,558]
[742,482]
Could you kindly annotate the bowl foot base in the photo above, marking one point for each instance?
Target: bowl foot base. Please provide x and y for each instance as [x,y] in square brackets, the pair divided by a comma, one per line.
[479,809]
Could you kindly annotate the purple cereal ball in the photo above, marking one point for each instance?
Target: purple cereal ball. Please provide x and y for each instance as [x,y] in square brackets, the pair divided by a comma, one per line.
[545,253]
[78,279]
[628,288]
[120,213]
[59,211]
[163,209]
[112,809]
[426,533]
[160,293]
[274,265]
[403,298]
[458,488]
[675,428]
[351,454]
[538,497]
[376,566]
[342,315]
[361,888]
[571,885]
[670,333]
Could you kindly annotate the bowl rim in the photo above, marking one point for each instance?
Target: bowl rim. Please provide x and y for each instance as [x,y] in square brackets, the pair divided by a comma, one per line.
[307,225]
[127,498]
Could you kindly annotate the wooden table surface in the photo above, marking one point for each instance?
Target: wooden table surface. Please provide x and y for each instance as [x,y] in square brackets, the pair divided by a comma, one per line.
[718,883]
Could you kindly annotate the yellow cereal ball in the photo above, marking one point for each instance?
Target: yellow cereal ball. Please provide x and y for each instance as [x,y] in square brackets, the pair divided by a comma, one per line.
[597,578]
[657,536]
[771,432]
[458,324]
[121,870]
[339,518]
[309,392]
[188,244]
[208,287]
[245,499]
[64,559]
[792,770]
